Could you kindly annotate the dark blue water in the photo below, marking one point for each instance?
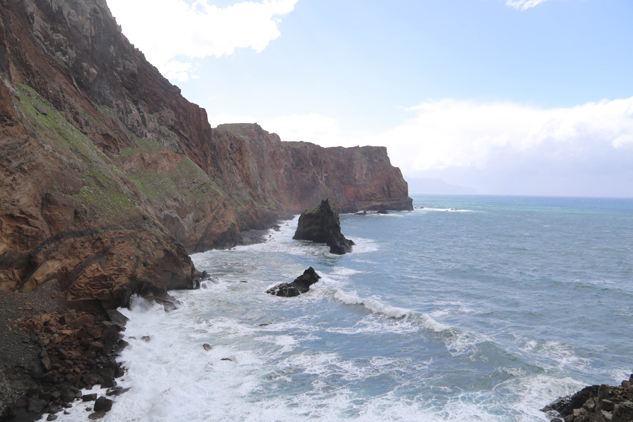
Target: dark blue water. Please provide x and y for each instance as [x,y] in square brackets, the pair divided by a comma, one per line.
[474,308]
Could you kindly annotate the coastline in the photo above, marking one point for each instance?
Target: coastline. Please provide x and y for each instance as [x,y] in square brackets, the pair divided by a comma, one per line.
[222,368]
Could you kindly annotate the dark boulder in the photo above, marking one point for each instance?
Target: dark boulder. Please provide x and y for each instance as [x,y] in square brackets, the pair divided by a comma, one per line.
[300,285]
[321,224]
[103,403]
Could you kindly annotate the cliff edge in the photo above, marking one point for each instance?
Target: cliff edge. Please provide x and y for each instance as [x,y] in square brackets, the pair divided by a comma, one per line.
[110,177]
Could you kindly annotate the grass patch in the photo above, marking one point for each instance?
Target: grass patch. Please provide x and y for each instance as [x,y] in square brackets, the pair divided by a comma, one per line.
[103,193]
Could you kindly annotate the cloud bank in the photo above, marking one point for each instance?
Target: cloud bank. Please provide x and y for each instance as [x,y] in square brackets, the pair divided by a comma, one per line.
[495,147]
[523,4]
[170,31]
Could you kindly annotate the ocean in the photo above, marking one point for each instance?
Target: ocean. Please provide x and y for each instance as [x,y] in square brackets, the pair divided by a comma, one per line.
[475,308]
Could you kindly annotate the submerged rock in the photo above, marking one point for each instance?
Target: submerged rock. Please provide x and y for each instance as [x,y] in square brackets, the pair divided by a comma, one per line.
[300,285]
[321,224]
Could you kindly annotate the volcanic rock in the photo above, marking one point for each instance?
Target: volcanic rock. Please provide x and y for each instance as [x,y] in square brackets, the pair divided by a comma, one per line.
[300,285]
[103,403]
[321,224]
[596,403]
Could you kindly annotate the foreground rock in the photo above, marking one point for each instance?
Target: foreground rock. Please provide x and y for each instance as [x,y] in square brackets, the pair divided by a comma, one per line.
[596,403]
[48,353]
[321,224]
[300,285]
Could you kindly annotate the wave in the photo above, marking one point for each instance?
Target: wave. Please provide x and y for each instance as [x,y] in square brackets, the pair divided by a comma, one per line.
[443,209]
[377,306]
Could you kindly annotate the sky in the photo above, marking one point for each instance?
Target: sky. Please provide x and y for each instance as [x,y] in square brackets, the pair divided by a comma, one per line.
[510,97]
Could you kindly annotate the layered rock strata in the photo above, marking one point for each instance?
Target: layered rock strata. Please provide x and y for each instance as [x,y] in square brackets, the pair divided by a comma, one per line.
[322,225]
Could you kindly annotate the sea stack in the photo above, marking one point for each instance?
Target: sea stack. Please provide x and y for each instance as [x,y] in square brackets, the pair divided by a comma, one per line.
[321,224]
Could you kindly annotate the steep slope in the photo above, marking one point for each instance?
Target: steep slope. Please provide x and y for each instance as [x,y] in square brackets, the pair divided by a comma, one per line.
[110,176]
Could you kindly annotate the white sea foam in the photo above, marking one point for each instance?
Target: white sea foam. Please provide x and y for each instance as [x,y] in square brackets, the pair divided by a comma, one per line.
[442,209]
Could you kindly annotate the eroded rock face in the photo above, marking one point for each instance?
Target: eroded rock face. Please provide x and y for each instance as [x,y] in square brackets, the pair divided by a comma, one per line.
[322,225]
[300,285]
[109,176]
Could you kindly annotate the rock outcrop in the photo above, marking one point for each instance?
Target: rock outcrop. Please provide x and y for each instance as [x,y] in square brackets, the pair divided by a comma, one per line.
[596,403]
[322,225]
[300,285]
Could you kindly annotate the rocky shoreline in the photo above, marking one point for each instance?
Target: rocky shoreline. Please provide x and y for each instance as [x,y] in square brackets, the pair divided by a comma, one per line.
[595,403]
[49,354]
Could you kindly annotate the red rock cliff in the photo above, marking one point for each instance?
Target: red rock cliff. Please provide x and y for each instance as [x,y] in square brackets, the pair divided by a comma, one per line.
[110,176]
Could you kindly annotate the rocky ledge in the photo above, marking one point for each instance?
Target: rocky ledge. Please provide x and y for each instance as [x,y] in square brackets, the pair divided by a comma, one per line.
[322,225]
[596,403]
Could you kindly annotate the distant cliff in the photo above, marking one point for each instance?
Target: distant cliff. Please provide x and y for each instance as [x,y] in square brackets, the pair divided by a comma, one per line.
[110,177]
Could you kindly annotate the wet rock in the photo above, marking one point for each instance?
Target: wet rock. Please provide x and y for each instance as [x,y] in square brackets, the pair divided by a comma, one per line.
[117,317]
[146,339]
[97,415]
[116,391]
[596,403]
[207,346]
[300,285]
[67,394]
[89,397]
[103,403]
[91,379]
[322,225]
[51,417]
[109,338]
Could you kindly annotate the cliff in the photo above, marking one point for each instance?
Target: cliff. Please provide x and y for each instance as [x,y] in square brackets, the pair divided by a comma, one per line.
[110,177]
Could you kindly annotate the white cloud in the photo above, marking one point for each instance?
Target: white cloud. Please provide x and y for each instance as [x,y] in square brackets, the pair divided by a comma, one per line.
[524,4]
[592,141]
[313,127]
[166,29]
[175,70]
[451,133]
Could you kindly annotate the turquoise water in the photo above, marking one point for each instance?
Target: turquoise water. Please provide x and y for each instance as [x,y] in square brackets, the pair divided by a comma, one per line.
[482,313]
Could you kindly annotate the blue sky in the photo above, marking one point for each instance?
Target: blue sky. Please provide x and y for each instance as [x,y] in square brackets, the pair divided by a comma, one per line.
[510,97]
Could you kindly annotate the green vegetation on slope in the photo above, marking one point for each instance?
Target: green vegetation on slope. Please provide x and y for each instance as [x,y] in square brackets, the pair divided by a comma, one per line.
[103,193]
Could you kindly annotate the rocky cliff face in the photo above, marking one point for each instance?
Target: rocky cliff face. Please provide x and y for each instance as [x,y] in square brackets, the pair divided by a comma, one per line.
[110,176]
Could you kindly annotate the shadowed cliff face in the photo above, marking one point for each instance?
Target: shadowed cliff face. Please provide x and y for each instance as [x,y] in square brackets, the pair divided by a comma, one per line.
[110,176]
